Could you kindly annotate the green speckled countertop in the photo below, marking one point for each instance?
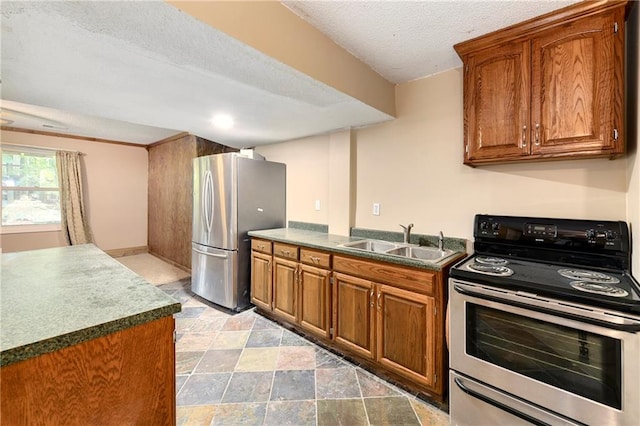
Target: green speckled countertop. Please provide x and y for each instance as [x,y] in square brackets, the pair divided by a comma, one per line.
[331,243]
[58,297]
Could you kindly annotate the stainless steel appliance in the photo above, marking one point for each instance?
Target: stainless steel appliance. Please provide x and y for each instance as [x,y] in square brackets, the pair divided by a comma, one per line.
[545,325]
[232,195]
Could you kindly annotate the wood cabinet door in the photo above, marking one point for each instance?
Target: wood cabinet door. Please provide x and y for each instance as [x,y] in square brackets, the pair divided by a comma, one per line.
[261,280]
[574,88]
[406,333]
[354,314]
[496,103]
[314,302]
[285,278]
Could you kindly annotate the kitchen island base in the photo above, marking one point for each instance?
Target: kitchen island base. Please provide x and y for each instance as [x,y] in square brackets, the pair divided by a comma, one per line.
[123,378]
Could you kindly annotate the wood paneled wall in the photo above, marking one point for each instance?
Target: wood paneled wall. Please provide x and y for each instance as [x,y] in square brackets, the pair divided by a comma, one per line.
[171,195]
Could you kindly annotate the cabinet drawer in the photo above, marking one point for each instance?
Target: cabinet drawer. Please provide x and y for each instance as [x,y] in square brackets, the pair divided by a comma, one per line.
[315,258]
[285,250]
[262,246]
[416,280]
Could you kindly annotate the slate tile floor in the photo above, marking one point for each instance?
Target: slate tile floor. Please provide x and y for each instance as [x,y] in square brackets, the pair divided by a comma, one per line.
[243,369]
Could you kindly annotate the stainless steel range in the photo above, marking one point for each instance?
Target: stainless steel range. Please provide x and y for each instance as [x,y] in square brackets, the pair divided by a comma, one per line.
[545,325]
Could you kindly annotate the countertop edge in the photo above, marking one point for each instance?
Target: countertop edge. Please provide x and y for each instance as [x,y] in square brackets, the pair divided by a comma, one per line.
[334,248]
[32,350]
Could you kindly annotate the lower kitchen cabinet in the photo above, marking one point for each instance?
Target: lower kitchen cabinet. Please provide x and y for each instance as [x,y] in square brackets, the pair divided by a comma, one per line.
[261,280]
[285,288]
[314,296]
[387,315]
[406,333]
[354,314]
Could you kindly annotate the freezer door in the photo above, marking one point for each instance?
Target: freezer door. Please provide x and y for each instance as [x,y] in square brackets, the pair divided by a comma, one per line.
[214,201]
[214,275]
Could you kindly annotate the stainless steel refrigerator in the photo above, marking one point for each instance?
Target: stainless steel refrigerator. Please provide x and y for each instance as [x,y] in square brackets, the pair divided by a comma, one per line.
[232,195]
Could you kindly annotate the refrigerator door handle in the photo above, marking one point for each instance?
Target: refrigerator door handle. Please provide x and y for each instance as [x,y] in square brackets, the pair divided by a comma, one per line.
[207,197]
[221,256]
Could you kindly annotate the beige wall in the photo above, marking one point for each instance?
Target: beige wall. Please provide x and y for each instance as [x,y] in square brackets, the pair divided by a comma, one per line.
[413,167]
[115,193]
[307,163]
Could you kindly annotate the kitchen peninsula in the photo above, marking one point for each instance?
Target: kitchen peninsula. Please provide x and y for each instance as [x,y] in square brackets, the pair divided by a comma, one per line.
[84,340]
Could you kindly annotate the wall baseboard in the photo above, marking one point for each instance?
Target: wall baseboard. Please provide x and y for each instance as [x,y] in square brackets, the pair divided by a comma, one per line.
[127,251]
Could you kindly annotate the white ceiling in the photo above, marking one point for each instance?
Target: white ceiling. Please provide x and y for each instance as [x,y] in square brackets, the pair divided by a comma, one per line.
[142,71]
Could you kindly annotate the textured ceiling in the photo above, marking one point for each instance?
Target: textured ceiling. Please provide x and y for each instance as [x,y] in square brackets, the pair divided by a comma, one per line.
[406,40]
[141,71]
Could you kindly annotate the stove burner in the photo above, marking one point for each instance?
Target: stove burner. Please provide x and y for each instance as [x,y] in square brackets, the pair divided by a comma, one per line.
[588,276]
[604,289]
[488,260]
[497,270]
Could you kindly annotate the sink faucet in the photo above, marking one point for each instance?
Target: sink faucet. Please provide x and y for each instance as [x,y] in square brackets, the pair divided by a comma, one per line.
[441,241]
[407,232]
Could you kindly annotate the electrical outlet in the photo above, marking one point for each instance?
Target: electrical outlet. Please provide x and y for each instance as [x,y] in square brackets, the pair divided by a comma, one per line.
[376,209]
[317,204]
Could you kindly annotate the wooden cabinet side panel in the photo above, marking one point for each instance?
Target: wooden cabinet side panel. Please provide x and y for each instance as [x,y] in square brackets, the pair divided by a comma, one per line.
[285,288]
[171,200]
[127,377]
[261,280]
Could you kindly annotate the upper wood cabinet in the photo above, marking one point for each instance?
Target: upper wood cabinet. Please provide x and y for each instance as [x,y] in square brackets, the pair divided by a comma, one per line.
[549,88]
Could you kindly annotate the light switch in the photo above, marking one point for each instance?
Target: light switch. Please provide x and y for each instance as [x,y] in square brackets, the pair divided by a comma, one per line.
[317,204]
[376,209]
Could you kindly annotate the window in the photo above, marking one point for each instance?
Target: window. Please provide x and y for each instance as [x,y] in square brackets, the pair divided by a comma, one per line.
[30,192]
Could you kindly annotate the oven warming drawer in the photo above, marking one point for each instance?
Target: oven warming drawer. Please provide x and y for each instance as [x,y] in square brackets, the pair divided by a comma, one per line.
[477,404]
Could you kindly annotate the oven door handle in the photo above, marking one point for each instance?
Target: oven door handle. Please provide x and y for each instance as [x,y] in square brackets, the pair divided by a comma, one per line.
[630,327]
[498,404]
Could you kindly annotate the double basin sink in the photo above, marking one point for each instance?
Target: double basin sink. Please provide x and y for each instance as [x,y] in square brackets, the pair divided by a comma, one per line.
[428,254]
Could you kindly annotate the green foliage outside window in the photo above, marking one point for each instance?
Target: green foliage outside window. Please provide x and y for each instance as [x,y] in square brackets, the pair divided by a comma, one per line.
[30,194]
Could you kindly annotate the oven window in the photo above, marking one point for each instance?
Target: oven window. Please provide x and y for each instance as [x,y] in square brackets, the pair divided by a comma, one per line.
[583,363]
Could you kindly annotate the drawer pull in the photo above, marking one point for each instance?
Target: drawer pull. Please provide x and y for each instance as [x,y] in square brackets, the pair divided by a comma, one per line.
[314,259]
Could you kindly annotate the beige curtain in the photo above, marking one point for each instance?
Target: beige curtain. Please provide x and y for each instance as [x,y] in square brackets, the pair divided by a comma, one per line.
[74,222]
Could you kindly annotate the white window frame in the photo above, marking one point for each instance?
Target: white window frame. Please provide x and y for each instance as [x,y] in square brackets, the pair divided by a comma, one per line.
[23,229]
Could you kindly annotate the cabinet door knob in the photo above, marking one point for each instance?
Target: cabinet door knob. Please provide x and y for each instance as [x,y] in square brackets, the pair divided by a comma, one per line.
[537,134]
[524,136]
[371,297]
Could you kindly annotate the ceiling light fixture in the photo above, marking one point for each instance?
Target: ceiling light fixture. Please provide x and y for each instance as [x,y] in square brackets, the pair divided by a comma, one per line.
[222,121]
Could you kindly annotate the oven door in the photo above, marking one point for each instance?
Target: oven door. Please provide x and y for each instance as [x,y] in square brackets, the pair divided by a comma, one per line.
[565,358]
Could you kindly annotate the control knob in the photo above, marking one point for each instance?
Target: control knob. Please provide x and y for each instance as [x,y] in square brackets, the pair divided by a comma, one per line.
[484,225]
[495,226]
[591,234]
[610,235]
